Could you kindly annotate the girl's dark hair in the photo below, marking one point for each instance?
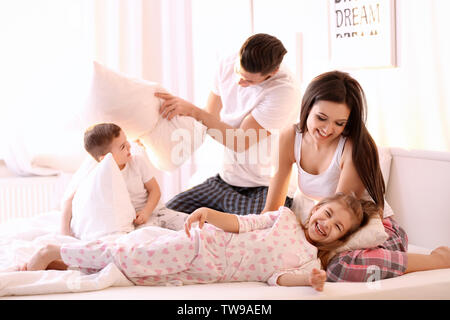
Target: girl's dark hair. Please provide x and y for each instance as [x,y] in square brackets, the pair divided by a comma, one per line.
[340,87]
[262,53]
[98,138]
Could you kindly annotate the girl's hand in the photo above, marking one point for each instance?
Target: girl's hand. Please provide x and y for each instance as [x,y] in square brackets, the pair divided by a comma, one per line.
[317,279]
[199,216]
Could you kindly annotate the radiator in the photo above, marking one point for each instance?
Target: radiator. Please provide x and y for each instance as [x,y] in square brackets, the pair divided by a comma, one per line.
[24,197]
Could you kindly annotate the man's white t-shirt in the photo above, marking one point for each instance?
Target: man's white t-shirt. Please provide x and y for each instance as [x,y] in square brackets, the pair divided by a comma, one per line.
[274,104]
[136,173]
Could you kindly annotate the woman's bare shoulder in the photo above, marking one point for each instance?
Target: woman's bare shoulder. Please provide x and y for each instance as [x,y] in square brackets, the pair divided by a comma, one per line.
[287,141]
[348,150]
[288,134]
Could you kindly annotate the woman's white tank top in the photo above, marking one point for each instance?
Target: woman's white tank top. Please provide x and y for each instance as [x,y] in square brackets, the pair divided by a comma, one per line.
[317,186]
[323,184]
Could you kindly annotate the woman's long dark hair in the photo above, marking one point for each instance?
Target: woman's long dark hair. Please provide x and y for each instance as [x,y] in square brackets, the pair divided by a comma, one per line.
[340,87]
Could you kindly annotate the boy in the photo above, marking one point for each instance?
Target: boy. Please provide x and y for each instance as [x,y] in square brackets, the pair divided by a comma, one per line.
[104,138]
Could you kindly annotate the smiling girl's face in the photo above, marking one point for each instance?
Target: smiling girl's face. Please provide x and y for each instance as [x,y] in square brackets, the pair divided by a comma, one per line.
[330,222]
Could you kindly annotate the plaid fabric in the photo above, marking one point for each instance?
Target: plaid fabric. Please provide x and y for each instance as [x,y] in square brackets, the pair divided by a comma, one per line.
[386,261]
[216,194]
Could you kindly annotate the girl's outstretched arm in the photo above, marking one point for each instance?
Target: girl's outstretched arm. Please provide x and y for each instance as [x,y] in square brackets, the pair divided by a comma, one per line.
[226,221]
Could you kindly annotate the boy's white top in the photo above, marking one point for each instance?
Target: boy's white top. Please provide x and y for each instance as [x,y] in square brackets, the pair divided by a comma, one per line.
[136,173]
[106,198]
[274,104]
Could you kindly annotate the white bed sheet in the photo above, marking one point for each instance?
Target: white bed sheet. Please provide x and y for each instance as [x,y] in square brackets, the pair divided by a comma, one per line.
[20,238]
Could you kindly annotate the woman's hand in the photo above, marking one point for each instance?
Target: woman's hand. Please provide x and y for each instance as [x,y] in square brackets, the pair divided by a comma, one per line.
[200,215]
[317,279]
[175,106]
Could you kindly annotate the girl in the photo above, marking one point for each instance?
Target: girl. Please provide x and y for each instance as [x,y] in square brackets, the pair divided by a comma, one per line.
[334,152]
[273,247]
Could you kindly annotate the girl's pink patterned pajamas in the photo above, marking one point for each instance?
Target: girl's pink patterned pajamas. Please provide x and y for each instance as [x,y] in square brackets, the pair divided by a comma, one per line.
[267,246]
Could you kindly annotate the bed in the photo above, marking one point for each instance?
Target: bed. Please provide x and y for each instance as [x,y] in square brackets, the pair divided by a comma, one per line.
[417,191]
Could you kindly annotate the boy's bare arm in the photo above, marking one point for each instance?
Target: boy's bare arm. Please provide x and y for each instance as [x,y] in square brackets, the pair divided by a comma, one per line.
[66,216]
[154,194]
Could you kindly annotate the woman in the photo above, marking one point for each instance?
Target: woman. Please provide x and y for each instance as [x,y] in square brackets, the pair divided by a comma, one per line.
[334,152]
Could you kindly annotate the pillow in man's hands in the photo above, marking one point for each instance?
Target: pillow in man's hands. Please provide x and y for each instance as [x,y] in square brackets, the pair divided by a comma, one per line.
[172,142]
[130,103]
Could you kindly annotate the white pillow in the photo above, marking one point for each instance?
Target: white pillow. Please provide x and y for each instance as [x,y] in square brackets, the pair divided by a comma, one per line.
[208,161]
[62,150]
[129,103]
[86,167]
[172,142]
[369,236]
[45,152]
[102,205]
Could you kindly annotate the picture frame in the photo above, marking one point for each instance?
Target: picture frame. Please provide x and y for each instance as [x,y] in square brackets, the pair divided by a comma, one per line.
[362,34]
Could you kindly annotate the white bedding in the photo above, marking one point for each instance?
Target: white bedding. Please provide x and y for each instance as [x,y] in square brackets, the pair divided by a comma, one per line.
[20,238]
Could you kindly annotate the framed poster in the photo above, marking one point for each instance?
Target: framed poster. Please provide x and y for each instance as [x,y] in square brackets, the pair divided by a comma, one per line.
[362,33]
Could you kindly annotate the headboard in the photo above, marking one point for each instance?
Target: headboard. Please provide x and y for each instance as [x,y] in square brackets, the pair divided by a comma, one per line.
[418,191]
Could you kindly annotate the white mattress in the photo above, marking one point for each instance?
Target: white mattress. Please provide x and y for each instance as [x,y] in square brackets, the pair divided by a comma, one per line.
[434,285]
[20,238]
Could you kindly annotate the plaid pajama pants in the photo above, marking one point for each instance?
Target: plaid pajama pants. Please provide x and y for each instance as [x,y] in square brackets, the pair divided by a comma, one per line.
[386,261]
[216,194]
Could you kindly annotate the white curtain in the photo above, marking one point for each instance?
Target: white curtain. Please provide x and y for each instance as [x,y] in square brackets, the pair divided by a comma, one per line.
[47,43]
[43,46]
[149,39]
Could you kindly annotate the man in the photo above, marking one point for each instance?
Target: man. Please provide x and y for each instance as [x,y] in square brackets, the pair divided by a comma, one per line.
[253,97]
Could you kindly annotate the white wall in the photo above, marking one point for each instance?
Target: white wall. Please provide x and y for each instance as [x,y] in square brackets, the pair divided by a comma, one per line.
[31,39]
[409,106]
[218,28]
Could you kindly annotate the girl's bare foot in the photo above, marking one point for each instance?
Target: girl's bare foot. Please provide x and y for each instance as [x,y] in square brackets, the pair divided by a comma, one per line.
[57,265]
[42,258]
[443,254]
